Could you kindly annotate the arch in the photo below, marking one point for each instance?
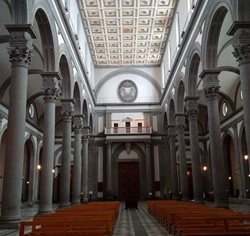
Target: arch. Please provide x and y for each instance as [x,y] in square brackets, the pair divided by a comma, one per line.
[211,33]
[65,72]
[85,112]
[91,123]
[165,122]
[47,40]
[127,71]
[76,96]
[180,97]
[193,67]
[171,112]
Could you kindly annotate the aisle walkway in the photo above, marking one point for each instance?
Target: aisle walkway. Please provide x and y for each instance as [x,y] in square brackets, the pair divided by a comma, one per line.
[137,223]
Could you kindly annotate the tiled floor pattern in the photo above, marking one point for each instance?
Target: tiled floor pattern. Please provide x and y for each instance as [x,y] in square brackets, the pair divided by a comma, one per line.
[137,223]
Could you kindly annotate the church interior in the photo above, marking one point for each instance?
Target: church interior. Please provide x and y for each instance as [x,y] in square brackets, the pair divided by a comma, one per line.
[123,113]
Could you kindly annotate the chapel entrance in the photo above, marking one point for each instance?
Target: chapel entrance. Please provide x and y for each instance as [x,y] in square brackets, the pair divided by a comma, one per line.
[129,187]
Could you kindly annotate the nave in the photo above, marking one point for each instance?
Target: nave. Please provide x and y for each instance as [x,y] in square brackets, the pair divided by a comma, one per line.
[130,222]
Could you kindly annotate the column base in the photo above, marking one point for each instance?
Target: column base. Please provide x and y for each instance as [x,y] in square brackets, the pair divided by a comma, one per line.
[64,204]
[75,202]
[45,211]
[9,222]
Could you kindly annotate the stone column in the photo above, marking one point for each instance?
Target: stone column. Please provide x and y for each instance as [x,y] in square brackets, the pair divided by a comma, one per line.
[67,113]
[211,88]
[85,175]
[52,94]
[109,170]
[76,183]
[180,127]
[148,168]
[20,54]
[171,137]
[192,112]
[241,44]
[1,120]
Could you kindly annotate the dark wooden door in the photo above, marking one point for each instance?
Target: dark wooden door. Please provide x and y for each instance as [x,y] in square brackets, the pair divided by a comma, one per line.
[129,188]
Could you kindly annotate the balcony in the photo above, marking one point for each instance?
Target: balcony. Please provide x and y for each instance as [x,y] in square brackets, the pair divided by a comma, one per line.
[128,130]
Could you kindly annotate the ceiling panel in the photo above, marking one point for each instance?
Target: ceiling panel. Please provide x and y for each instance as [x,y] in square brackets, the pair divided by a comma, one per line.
[122,32]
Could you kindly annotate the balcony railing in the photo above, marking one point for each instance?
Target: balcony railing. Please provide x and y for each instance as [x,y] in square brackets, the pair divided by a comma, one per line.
[128,130]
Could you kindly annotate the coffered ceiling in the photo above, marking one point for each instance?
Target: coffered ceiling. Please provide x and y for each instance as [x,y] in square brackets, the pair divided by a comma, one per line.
[127,32]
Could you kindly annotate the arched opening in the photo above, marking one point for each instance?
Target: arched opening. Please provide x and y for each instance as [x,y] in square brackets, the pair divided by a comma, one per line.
[64,70]
[231,166]
[85,113]
[180,97]
[39,167]
[91,124]
[193,74]
[77,105]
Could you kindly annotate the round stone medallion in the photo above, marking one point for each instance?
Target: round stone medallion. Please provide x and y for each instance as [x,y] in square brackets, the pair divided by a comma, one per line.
[127,91]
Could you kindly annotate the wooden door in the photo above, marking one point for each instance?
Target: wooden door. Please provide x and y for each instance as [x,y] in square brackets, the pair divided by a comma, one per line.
[129,188]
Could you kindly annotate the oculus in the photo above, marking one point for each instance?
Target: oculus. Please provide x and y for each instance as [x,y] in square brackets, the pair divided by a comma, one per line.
[127,91]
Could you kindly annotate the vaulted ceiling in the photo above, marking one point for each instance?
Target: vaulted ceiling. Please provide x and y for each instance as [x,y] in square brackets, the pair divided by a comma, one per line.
[127,32]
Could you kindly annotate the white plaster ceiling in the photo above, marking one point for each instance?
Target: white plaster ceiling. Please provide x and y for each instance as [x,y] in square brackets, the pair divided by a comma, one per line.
[127,32]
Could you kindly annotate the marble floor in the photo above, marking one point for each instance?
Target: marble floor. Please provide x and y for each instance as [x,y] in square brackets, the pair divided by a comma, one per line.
[130,222]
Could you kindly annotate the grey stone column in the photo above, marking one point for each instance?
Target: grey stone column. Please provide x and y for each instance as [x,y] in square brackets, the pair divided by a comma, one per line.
[192,112]
[109,170]
[241,43]
[180,127]
[171,137]
[1,120]
[148,168]
[85,169]
[52,94]
[211,88]
[37,170]
[67,113]
[76,183]
[20,54]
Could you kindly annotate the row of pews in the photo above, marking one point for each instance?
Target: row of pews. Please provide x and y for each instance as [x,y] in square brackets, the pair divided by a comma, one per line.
[190,219]
[92,219]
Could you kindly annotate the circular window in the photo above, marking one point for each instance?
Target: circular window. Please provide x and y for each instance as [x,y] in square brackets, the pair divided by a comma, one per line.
[31,111]
[224,109]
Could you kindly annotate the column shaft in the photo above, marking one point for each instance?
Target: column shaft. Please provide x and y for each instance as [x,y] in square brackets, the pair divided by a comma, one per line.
[211,87]
[85,175]
[66,162]
[76,186]
[148,168]
[109,170]
[180,126]
[13,167]
[46,182]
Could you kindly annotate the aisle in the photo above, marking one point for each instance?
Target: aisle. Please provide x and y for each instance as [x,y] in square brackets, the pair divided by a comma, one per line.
[137,223]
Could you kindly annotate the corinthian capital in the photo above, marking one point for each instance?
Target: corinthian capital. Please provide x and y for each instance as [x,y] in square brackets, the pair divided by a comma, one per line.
[78,123]
[191,103]
[20,49]
[241,42]
[180,122]
[67,108]
[52,95]
[171,133]
[210,83]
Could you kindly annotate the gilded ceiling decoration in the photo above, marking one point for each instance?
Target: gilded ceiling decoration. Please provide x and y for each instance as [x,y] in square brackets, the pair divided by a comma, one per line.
[127,32]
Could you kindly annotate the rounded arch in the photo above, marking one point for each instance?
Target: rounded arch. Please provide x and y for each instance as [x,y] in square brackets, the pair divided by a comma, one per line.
[165,122]
[77,97]
[171,112]
[85,112]
[127,71]
[180,97]
[66,76]
[192,73]
[47,40]
[211,33]
[91,123]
